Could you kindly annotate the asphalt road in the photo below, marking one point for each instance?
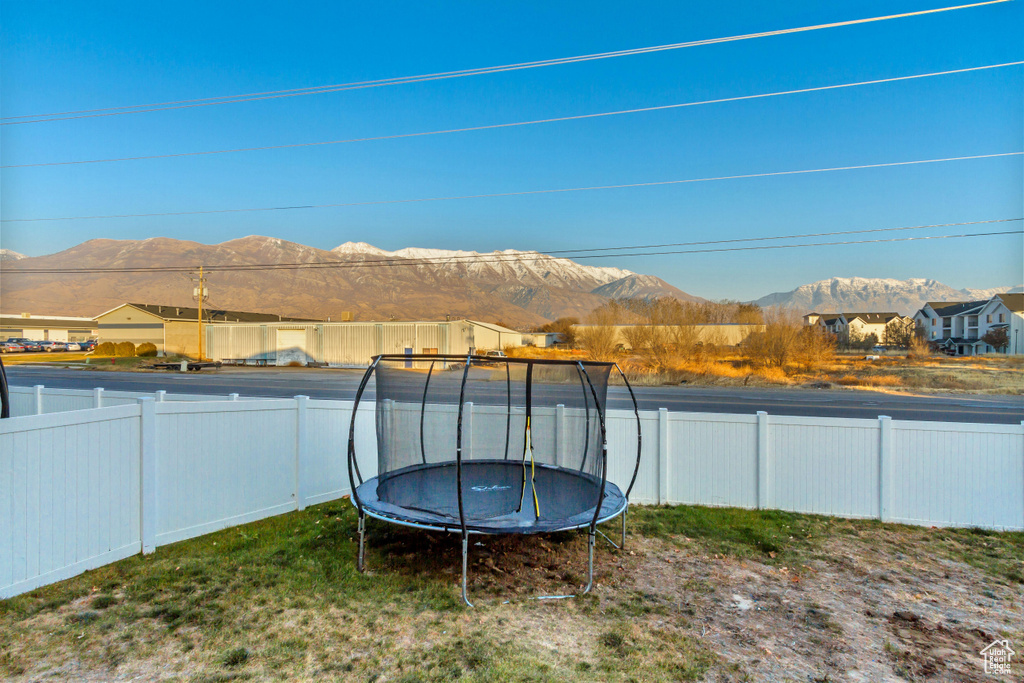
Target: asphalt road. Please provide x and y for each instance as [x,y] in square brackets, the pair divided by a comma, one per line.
[342,384]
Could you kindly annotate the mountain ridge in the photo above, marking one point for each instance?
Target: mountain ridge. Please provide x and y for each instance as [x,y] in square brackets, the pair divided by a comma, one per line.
[851,294]
[521,289]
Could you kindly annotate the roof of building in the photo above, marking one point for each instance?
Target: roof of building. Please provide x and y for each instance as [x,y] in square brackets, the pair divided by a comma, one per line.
[1013,300]
[190,314]
[46,321]
[959,340]
[494,326]
[873,317]
[945,309]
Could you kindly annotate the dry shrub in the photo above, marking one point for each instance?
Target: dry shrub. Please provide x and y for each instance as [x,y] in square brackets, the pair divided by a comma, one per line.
[883,381]
[146,350]
[847,381]
[772,375]
[124,349]
[295,364]
[918,348]
[598,339]
[104,349]
[777,344]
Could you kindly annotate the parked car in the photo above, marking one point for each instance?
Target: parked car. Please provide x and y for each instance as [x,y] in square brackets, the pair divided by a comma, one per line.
[50,346]
[26,344]
[73,346]
[88,345]
[11,347]
[496,355]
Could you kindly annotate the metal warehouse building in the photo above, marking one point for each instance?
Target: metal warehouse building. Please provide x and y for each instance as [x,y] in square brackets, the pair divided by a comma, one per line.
[350,343]
[47,327]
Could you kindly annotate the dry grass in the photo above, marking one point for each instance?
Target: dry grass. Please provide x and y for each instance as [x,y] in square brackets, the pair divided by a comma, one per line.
[280,600]
[992,374]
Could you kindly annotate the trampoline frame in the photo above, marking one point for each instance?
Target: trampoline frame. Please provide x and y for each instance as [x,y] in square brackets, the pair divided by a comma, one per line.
[356,478]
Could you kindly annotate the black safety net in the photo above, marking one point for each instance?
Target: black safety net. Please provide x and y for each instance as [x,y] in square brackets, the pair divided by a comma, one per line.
[531,444]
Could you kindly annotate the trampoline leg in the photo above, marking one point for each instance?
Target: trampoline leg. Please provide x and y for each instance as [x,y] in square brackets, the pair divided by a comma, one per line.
[622,545]
[465,556]
[362,536]
[592,537]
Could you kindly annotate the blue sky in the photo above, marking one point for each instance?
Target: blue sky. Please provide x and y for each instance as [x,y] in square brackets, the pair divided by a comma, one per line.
[59,56]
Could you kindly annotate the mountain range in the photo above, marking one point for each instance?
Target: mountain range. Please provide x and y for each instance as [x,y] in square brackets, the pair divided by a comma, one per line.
[861,294]
[518,288]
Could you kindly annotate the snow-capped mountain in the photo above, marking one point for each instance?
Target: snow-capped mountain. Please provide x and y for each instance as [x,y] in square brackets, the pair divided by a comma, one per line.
[872,294]
[8,255]
[525,267]
[518,288]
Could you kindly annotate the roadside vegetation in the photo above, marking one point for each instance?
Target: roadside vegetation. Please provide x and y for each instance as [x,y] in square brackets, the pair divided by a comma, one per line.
[698,594]
[666,346]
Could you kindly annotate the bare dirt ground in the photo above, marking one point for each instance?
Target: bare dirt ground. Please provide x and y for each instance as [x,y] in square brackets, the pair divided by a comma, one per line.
[698,594]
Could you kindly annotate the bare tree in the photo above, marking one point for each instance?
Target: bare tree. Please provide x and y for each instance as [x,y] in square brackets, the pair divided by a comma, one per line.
[775,346]
[564,328]
[898,333]
[598,337]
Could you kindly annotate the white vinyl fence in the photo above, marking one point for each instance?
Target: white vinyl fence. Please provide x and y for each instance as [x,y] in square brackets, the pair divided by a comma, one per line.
[84,488]
[40,399]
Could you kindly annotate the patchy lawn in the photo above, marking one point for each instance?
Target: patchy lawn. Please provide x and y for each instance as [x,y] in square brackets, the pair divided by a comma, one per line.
[711,594]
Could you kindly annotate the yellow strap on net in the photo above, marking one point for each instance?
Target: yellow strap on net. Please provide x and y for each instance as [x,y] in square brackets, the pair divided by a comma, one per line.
[533,473]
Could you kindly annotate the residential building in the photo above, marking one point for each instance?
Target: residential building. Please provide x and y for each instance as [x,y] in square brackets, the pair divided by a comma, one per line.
[853,327]
[959,326]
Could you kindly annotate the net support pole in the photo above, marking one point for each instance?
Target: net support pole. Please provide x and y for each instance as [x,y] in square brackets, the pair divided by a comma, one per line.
[362,538]
[622,544]
[465,561]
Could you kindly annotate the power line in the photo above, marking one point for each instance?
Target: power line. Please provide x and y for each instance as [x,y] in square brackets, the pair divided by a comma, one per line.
[535,256]
[494,126]
[515,194]
[402,80]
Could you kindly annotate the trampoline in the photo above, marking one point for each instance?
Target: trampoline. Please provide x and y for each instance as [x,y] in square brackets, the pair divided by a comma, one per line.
[484,445]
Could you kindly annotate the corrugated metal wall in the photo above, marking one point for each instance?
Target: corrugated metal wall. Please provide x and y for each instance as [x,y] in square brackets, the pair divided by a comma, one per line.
[341,343]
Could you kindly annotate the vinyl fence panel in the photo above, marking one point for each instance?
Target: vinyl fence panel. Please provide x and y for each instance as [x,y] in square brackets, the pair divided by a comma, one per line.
[69,494]
[958,474]
[222,464]
[824,466]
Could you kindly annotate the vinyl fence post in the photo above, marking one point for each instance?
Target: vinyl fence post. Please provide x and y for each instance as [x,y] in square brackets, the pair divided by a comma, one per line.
[97,397]
[663,457]
[559,434]
[884,468]
[38,391]
[147,473]
[301,448]
[232,397]
[161,396]
[763,455]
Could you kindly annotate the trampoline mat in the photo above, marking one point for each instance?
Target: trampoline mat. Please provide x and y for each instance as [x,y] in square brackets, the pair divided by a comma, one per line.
[428,495]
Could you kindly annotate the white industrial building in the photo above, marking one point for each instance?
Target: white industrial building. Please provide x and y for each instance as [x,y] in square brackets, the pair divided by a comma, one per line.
[350,343]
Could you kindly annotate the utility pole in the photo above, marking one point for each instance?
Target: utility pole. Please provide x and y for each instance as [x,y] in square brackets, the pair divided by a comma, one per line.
[200,294]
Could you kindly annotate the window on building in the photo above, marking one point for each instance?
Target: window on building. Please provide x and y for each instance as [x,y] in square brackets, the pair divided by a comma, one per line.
[935,322]
[988,318]
[1002,317]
